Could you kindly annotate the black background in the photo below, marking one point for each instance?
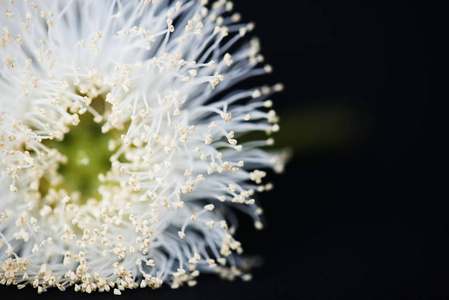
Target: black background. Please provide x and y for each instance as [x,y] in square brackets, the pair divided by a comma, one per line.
[362,210]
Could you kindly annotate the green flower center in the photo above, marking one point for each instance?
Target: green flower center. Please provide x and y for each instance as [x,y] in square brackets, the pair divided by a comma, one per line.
[86,150]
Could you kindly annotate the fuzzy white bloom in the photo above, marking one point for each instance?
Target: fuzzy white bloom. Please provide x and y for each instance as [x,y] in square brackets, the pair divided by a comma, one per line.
[145,89]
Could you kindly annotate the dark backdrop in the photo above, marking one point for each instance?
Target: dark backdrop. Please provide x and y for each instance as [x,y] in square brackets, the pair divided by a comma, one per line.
[361,211]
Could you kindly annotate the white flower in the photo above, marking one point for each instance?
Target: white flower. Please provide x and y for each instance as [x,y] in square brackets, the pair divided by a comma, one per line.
[120,139]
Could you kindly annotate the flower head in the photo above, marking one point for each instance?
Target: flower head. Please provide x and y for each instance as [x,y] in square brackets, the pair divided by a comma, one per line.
[124,144]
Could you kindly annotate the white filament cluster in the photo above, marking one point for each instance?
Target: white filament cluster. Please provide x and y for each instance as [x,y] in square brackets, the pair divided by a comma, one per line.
[166,72]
